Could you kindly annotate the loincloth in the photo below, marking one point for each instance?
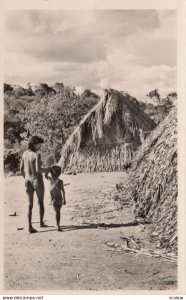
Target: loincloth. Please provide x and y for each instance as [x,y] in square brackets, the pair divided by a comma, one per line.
[32,186]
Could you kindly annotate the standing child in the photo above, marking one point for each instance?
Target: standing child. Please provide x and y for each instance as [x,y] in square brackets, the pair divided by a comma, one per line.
[32,172]
[57,191]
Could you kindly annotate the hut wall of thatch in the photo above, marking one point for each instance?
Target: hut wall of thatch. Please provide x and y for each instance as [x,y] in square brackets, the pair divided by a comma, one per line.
[107,136]
[153,182]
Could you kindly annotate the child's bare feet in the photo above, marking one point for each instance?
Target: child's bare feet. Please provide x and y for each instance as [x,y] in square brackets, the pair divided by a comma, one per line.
[32,230]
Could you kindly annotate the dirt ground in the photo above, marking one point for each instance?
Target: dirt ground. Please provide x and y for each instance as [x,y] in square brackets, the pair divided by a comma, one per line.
[78,258]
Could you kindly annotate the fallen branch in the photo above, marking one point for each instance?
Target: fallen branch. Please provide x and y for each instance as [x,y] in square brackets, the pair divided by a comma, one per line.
[143,251]
[112,225]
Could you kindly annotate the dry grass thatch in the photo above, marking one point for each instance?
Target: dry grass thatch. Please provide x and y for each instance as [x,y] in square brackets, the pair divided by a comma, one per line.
[107,136]
[153,182]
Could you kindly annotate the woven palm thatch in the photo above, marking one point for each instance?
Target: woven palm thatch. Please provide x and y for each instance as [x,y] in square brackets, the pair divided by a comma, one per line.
[153,182]
[107,136]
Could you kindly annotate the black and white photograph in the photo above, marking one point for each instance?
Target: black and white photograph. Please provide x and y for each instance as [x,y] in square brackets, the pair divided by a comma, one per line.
[90,150]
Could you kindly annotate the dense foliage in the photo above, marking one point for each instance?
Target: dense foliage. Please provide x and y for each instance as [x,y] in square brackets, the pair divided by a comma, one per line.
[51,113]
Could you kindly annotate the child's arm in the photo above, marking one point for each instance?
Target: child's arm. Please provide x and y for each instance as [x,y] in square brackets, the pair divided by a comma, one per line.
[63,192]
[46,175]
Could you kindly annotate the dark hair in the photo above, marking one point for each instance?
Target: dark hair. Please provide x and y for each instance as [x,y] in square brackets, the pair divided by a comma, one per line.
[33,140]
[55,171]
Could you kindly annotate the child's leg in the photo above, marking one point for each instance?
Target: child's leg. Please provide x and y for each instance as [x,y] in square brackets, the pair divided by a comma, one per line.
[30,196]
[40,194]
[58,218]
[58,214]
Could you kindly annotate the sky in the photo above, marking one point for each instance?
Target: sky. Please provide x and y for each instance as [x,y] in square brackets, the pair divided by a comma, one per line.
[128,50]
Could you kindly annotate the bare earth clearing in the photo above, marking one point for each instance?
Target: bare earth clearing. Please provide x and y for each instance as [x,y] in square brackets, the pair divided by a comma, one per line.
[78,258]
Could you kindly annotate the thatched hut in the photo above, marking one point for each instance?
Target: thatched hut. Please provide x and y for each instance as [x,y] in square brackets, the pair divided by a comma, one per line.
[107,136]
[152,182]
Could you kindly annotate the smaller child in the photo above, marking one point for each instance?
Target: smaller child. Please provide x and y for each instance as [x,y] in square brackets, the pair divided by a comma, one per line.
[57,191]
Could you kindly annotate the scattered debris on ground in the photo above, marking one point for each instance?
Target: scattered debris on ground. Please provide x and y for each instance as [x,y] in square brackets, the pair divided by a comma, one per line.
[13,214]
[142,251]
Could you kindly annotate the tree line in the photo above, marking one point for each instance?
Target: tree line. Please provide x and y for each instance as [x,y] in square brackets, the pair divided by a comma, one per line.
[52,112]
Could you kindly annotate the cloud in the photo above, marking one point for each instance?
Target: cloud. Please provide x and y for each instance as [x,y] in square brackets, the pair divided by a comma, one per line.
[160,77]
[125,22]
[132,50]
[54,37]
[74,49]
[37,22]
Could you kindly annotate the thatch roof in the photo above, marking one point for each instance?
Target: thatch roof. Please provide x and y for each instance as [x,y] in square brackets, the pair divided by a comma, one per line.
[153,182]
[107,136]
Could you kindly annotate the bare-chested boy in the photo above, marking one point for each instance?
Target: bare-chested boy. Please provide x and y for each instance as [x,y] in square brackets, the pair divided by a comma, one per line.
[57,192]
[32,172]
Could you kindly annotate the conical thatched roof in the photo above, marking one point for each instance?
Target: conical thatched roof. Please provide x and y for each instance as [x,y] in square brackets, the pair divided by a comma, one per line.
[107,136]
[153,182]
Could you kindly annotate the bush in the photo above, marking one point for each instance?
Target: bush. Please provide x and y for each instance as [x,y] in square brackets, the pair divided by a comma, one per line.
[11,160]
[8,89]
